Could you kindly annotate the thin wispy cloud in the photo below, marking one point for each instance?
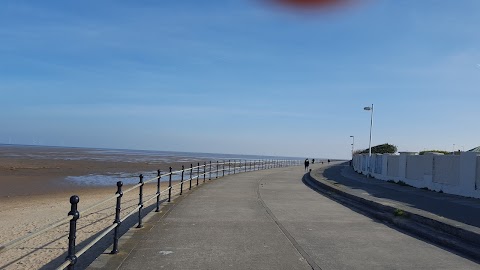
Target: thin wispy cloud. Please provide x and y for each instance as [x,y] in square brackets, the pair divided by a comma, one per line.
[262,72]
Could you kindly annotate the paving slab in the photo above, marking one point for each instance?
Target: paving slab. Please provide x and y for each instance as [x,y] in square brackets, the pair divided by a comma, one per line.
[271,220]
[338,238]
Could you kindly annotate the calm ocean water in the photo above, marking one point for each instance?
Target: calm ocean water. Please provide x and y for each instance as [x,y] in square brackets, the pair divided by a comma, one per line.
[125,155]
[117,155]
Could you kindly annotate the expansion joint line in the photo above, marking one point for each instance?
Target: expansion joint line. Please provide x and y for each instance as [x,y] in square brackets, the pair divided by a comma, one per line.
[290,238]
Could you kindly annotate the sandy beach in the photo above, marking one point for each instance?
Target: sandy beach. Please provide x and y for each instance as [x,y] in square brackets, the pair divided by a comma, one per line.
[34,193]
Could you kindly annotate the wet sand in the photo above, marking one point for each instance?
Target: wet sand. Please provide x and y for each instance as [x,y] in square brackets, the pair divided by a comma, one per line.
[33,193]
[42,170]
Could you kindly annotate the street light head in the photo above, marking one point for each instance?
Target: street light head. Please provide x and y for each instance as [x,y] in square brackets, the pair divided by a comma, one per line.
[351,136]
[367,108]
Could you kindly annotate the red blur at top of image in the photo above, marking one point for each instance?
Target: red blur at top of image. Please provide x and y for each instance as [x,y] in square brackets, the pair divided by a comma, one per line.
[311,4]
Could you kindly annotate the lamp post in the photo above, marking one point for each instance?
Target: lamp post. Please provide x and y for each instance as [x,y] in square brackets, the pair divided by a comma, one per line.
[370,141]
[353,144]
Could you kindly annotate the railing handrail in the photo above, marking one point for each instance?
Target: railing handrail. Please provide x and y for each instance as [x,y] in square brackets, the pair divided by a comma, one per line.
[257,165]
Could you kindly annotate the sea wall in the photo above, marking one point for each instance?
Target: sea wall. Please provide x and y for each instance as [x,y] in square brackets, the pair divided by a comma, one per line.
[453,174]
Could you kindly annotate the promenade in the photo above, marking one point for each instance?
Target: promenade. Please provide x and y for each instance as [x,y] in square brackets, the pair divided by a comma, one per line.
[270,220]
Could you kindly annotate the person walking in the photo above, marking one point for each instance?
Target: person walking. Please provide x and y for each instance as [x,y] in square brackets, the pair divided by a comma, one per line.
[307,163]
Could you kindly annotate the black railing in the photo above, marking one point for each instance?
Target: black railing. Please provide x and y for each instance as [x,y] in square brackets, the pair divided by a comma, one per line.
[195,173]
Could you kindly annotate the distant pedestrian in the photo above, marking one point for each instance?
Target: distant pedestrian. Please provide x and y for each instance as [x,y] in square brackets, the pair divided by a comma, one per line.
[307,163]
[313,161]
[329,161]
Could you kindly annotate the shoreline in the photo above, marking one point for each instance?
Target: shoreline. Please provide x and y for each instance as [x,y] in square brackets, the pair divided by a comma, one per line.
[34,193]
[36,170]
[22,215]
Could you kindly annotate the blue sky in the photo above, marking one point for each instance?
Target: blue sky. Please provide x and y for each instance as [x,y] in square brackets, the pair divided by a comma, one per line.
[240,76]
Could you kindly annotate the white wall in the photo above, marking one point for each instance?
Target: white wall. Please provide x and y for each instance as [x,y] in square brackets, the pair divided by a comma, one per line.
[418,166]
[477,183]
[446,170]
[459,174]
[392,166]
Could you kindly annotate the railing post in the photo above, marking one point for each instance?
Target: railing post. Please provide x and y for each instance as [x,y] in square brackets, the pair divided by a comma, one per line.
[245,165]
[181,181]
[190,185]
[117,217]
[229,167]
[216,173]
[170,185]
[198,171]
[204,171]
[140,202]
[234,166]
[72,235]
[210,171]
[223,168]
[158,191]
[250,169]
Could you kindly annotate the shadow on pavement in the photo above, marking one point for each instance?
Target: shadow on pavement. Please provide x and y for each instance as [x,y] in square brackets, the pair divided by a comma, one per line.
[453,207]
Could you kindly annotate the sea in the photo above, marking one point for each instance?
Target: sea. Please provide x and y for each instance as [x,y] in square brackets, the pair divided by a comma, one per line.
[120,155]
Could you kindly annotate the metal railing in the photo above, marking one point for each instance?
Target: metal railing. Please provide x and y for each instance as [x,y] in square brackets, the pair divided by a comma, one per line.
[194,174]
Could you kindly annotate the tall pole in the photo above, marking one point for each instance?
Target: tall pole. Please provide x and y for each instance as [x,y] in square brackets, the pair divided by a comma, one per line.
[370,141]
[371,126]
[353,144]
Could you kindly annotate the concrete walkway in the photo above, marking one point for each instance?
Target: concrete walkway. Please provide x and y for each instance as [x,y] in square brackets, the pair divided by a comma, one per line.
[271,220]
